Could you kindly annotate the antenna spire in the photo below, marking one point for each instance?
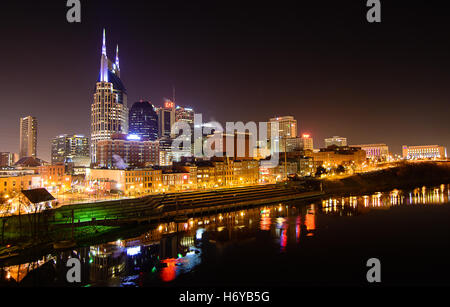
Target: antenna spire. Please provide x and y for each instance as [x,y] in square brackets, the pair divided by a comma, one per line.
[173,93]
[104,42]
[117,57]
[104,61]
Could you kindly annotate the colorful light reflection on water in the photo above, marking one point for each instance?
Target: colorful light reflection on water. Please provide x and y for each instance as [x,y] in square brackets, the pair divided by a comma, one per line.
[170,250]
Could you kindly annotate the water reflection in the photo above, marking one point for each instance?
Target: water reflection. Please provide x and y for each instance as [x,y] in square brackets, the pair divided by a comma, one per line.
[354,205]
[169,250]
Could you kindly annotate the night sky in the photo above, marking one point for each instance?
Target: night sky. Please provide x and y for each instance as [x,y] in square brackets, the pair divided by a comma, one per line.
[320,61]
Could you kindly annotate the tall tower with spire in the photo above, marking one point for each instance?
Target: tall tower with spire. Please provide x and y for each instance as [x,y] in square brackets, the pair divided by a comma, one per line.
[109,111]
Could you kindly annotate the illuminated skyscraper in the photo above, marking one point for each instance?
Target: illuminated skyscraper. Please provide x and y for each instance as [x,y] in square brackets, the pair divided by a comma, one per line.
[28,137]
[184,114]
[166,118]
[287,126]
[307,142]
[70,148]
[109,112]
[143,121]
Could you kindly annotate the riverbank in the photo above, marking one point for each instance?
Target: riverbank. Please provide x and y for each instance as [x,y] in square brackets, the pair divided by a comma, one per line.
[404,176]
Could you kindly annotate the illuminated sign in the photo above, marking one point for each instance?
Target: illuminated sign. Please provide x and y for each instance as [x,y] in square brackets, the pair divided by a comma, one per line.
[133,137]
[132,251]
[169,104]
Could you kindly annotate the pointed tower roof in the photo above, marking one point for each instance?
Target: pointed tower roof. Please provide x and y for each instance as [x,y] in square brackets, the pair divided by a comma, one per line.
[117,57]
[104,43]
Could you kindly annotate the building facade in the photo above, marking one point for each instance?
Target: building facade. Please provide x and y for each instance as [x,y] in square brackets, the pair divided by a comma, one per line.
[135,182]
[28,137]
[71,148]
[109,111]
[13,184]
[307,142]
[424,152]
[7,159]
[334,156]
[336,141]
[184,114]
[287,127]
[374,151]
[166,118]
[122,151]
[143,121]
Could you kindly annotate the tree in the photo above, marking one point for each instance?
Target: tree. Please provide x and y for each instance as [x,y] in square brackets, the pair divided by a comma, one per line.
[320,171]
[340,169]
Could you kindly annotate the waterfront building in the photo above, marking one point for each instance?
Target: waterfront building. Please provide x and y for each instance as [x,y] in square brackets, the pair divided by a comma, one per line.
[54,177]
[173,180]
[122,151]
[424,152]
[130,182]
[109,111]
[206,174]
[336,141]
[334,156]
[243,172]
[220,172]
[166,118]
[278,173]
[28,137]
[11,184]
[71,149]
[374,151]
[143,121]
[307,166]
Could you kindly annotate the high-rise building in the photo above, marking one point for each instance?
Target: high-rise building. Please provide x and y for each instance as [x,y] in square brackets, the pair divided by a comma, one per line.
[166,118]
[8,159]
[307,142]
[71,148]
[184,114]
[123,151]
[287,127]
[109,111]
[28,137]
[165,151]
[336,141]
[143,121]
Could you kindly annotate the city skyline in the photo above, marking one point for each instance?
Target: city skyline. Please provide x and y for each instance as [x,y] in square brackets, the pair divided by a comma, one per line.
[224,146]
[394,94]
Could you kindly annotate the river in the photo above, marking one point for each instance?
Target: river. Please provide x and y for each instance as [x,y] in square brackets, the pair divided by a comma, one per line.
[322,242]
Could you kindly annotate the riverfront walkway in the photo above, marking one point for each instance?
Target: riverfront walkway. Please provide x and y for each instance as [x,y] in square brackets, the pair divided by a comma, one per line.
[174,205]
